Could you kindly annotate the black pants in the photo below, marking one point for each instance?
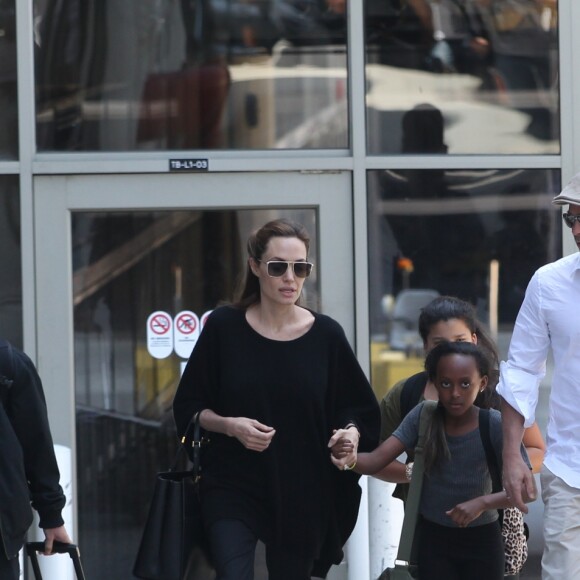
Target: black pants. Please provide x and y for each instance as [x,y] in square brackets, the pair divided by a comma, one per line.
[475,553]
[9,569]
[233,546]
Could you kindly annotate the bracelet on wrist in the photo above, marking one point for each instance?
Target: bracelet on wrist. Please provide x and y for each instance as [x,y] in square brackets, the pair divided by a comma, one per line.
[349,467]
[409,471]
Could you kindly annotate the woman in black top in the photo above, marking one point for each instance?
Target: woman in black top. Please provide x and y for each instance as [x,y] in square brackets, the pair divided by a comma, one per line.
[272,382]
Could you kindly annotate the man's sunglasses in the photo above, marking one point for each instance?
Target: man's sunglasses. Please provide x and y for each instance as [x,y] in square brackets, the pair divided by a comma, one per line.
[569,219]
[277,268]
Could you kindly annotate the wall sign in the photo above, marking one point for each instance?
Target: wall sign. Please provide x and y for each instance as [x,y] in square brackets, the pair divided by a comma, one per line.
[159,334]
[180,333]
[189,165]
[186,328]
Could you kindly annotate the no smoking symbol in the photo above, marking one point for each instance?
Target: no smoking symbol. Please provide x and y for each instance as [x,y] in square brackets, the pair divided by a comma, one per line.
[160,324]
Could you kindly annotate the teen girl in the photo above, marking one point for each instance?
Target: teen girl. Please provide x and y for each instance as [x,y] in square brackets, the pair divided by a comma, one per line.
[458,533]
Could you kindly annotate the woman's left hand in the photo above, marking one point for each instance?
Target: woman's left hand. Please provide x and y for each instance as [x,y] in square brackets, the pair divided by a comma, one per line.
[344,446]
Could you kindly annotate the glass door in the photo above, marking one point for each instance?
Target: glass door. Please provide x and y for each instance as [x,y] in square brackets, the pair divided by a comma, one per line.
[128,267]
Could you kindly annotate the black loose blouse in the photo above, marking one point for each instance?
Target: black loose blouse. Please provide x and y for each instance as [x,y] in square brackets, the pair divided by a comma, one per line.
[289,494]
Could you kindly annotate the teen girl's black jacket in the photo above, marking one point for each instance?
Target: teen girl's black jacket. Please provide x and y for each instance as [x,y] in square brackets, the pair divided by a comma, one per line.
[28,470]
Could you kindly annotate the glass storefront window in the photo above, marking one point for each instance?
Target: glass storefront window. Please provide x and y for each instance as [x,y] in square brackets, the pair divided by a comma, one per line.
[490,67]
[192,74]
[478,235]
[10,261]
[127,266]
[8,89]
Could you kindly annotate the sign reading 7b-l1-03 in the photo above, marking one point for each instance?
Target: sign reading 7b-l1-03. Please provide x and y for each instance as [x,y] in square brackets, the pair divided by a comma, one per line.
[166,333]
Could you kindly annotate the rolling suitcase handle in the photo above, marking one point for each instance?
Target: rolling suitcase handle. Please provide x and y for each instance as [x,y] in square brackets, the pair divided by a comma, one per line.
[57,548]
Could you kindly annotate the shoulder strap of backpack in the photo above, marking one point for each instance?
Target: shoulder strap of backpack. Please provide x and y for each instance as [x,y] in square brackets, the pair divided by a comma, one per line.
[490,455]
[414,498]
[411,392]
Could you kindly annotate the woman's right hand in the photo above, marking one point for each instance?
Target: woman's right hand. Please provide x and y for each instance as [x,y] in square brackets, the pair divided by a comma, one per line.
[250,433]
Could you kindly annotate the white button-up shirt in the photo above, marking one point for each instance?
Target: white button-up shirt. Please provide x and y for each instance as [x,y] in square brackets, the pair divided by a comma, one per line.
[549,317]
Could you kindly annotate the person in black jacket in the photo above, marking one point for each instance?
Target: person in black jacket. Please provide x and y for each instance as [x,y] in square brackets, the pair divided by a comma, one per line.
[28,468]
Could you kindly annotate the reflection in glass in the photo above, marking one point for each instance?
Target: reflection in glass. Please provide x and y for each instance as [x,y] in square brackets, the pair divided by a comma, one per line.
[478,235]
[192,74]
[490,67]
[10,261]
[8,89]
[450,231]
[125,267]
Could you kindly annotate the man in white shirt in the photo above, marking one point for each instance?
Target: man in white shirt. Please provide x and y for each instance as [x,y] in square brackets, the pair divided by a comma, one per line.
[549,318]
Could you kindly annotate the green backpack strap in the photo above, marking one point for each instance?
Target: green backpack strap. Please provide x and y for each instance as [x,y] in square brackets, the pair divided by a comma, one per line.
[414,498]
[412,392]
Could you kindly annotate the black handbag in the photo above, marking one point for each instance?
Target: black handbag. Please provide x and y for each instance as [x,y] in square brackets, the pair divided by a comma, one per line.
[173,545]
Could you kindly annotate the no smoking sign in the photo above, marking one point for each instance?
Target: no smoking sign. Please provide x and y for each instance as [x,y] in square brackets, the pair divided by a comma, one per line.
[159,334]
[180,333]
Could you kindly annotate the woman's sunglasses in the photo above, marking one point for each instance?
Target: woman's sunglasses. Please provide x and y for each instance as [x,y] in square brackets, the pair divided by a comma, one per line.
[277,268]
[569,219]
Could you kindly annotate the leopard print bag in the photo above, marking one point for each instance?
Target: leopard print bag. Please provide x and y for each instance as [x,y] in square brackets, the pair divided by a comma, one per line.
[513,529]
[515,540]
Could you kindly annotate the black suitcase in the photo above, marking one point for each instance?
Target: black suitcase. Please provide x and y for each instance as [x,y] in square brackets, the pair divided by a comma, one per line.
[58,548]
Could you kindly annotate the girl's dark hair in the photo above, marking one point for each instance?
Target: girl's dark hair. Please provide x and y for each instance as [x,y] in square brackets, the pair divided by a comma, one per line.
[464,348]
[445,308]
[436,448]
[249,292]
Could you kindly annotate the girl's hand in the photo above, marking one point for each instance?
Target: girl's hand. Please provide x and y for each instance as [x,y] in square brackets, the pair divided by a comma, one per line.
[464,513]
[250,433]
[365,464]
[369,463]
[344,446]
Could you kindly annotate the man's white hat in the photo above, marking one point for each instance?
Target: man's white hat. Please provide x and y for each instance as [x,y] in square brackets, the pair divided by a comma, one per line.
[570,194]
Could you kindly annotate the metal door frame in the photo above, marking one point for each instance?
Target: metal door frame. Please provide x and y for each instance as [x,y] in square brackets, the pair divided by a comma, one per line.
[57,197]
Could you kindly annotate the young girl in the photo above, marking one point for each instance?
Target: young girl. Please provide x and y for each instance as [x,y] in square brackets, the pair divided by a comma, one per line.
[458,533]
[448,318]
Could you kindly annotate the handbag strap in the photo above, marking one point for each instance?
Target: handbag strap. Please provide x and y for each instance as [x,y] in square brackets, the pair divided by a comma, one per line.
[194,428]
[414,498]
